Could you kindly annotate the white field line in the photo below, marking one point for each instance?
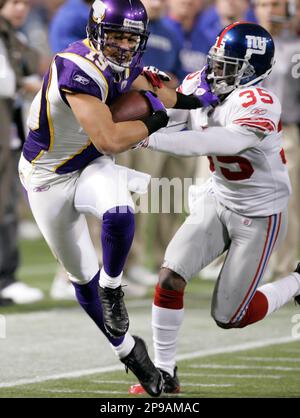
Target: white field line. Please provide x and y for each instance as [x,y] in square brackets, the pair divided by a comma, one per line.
[271,359]
[186,356]
[238,347]
[234,376]
[206,385]
[244,367]
[99,392]
[115,392]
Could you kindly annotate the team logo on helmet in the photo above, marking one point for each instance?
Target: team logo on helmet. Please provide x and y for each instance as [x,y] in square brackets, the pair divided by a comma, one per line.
[99,9]
[256,44]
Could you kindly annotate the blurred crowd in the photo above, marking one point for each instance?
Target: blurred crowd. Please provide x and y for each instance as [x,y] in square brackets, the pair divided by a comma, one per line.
[182,32]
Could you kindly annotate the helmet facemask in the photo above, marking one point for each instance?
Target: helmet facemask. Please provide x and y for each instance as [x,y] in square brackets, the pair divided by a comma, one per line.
[105,39]
[225,73]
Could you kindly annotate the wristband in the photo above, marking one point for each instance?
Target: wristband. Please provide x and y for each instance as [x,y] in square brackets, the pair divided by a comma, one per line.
[156,121]
[187,102]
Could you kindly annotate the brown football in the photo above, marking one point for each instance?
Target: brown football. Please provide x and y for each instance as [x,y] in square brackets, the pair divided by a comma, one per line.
[130,106]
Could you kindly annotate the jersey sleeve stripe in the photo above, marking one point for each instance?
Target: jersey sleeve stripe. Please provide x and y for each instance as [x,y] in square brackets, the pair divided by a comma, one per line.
[262,124]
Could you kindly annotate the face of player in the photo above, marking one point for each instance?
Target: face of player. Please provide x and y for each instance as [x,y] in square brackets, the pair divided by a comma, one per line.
[226,71]
[155,8]
[120,47]
[16,12]
[232,10]
[266,9]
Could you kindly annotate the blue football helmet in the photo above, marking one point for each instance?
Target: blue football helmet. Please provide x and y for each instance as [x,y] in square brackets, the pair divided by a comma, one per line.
[243,55]
[118,16]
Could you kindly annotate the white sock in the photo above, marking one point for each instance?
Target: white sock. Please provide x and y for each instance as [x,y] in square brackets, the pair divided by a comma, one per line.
[165,326]
[125,347]
[107,281]
[281,291]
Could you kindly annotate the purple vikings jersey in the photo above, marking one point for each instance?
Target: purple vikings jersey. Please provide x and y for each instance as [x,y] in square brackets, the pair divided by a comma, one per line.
[56,141]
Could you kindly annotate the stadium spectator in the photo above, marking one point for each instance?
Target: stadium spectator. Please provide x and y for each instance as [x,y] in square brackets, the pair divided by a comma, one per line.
[285,83]
[223,13]
[18,60]
[162,48]
[36,27]
[69,24]
[184,16]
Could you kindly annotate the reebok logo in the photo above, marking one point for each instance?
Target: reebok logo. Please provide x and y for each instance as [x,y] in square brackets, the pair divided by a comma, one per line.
[80,79]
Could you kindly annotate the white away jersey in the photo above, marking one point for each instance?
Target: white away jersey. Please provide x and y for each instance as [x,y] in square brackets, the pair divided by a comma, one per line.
[243,139]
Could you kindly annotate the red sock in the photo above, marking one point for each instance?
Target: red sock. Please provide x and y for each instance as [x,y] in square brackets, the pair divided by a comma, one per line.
[169,299]
[257,310]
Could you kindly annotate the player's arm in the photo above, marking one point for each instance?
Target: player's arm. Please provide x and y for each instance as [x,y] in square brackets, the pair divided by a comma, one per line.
[152,79]
[212,141]
[166,95]
[108,137]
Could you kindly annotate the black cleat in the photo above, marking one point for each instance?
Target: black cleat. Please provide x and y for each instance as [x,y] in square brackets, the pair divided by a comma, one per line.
[297,298]
[115,314]
[139,362]
[170,384]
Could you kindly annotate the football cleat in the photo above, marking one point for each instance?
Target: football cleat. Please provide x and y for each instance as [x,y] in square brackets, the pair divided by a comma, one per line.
[171,384]
[297,298]
[139,362]
[115,314]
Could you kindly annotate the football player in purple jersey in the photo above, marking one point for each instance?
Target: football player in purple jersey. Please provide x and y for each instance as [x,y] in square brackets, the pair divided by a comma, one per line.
[68,168]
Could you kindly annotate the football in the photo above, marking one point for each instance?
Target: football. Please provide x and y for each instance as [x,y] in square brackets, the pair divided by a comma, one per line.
[130,106]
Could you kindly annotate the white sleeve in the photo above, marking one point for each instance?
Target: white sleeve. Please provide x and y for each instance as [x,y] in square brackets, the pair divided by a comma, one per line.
[211,141]
[256,109]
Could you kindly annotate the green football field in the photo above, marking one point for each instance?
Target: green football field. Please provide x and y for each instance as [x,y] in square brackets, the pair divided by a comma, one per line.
[52,349]
[272,371]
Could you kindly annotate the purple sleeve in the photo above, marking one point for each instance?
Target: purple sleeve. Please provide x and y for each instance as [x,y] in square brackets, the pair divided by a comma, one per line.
[72,78]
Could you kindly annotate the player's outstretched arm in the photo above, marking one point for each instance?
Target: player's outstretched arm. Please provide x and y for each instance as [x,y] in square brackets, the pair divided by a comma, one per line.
[212,141]
[195,91]
[108,137]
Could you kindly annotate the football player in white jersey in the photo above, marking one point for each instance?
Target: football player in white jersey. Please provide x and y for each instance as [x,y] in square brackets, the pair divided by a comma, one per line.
[241,209]
[68,169]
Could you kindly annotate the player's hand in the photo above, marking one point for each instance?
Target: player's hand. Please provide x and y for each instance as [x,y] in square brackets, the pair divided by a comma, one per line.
[159,118]
[155,76]
[203,91]
[155,103]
